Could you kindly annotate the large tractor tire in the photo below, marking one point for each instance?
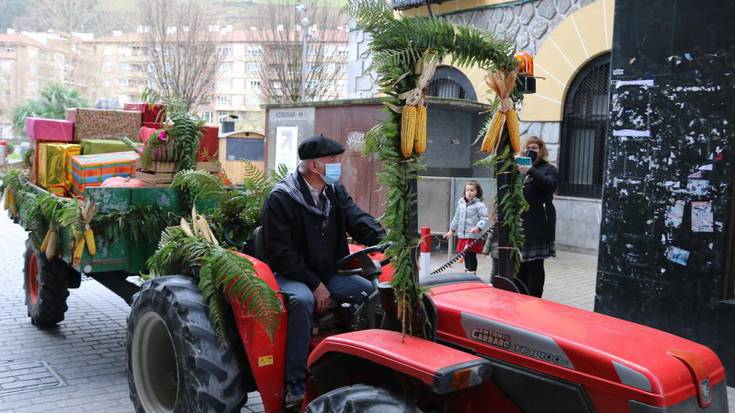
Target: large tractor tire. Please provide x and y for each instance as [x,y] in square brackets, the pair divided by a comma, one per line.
[46,287]
[360,398]
[175,362]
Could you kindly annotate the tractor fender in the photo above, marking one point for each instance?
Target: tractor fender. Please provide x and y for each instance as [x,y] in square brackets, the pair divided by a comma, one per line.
[442,369]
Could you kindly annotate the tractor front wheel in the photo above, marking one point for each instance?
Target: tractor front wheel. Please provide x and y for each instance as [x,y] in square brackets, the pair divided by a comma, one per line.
[175,362]
[360,398]
[46,287]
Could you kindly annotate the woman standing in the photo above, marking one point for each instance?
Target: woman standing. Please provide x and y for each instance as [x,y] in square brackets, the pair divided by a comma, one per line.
[539,222]
[470,219]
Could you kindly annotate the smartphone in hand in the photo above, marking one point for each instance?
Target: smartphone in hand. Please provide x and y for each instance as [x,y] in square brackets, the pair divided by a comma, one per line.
[523,161]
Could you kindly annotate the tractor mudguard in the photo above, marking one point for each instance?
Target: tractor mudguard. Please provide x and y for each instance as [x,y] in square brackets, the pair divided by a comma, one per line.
[267,359]
[443,369]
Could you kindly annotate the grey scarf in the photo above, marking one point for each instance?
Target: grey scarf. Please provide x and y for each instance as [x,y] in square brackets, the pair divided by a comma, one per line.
[290,185]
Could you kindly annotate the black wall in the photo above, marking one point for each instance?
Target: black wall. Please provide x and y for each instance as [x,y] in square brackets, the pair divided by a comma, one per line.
[667,192]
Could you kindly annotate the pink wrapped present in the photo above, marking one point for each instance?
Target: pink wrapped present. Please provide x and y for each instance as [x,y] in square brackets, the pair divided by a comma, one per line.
[50,130]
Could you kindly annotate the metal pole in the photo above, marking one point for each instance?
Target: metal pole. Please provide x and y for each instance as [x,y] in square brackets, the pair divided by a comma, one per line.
[505,266]
[304,48]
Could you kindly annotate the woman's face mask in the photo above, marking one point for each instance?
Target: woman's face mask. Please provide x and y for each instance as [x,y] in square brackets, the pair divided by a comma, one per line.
[532,154]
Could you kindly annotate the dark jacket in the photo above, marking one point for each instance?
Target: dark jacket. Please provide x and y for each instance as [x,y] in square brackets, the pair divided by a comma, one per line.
[304,242]
[539,222]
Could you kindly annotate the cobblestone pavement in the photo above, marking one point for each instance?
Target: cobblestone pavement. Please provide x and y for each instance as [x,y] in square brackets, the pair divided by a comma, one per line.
[79,366]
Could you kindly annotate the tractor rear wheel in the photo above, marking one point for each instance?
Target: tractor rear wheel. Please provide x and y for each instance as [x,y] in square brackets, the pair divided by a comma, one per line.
[360,398]
[46,287]
[175,362]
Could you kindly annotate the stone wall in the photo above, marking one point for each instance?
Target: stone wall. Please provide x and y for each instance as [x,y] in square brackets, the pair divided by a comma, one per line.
[525,23]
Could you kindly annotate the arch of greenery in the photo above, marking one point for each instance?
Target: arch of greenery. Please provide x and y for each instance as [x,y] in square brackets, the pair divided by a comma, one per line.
[399,49]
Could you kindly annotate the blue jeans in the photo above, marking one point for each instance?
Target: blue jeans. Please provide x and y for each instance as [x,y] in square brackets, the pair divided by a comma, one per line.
[300,307]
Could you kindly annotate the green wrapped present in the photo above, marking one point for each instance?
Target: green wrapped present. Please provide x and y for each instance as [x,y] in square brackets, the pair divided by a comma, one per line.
[98,146]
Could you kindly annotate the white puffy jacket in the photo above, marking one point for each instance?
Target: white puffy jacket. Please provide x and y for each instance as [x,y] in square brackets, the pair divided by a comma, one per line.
[468,216]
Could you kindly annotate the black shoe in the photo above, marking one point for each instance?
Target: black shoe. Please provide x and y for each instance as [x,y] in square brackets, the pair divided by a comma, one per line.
[294,393]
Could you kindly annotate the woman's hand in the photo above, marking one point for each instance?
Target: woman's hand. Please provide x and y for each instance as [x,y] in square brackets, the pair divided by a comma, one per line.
[523,169]
[448,234]
[475,230]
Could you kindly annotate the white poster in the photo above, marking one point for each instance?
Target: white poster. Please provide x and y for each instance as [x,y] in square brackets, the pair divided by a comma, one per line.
[287,138]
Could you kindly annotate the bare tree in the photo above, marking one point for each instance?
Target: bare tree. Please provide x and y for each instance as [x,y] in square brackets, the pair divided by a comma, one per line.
[87,16]
[284,77]
[183,52]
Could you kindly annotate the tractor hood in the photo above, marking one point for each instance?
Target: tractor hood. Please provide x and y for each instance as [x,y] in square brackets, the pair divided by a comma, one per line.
[579,346]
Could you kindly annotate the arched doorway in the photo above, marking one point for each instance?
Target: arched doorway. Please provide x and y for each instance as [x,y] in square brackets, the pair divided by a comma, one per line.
[583,131]
[449,82]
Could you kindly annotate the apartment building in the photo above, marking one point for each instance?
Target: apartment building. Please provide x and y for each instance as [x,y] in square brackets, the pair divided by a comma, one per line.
[27,61]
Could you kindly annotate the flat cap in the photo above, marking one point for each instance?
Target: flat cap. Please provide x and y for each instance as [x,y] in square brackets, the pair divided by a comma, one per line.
[318,146]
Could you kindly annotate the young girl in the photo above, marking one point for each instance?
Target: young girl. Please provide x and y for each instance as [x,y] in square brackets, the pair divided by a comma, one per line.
[470,219]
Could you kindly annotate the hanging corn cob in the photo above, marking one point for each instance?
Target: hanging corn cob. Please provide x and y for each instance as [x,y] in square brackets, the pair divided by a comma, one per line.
[52,243]
[413,114]
[511,121]
[88,210]
[408,129]
[502,85]
[78,251]
[419,141]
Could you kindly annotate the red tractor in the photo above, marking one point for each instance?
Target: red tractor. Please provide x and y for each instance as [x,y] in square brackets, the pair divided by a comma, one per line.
[487,350]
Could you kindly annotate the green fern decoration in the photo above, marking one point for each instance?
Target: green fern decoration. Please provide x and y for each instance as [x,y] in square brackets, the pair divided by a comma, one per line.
[223,275]
[397,46]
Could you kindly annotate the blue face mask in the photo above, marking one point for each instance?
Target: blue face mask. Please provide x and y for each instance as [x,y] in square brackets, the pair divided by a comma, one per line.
[332,172]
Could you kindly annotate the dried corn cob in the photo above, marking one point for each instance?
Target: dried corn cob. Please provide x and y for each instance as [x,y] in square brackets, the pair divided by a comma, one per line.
[419,141]
[44,243]
[89,240]
[493,132]
[511,122]
[52,244]
[408,130]
[78,251]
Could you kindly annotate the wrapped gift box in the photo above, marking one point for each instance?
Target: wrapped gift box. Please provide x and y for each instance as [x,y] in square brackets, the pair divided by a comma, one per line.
[152,112]
[92,170]
[104,123]
[54,166]
[208,144]
[50,130]
[97,146]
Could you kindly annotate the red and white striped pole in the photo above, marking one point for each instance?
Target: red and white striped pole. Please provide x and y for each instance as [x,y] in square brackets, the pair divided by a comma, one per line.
[425,255]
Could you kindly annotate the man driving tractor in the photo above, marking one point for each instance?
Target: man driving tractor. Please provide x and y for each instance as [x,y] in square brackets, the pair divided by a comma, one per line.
[305,219]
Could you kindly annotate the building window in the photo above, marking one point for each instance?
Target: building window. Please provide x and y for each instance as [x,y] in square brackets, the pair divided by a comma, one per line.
[254,84]
[253,67]
[225,51]
[449,82]
[224,84]
[207,117]
[255,51]
[123,82]
[225,67]
[10,50]
[252,100]
[583,131]
[224,100]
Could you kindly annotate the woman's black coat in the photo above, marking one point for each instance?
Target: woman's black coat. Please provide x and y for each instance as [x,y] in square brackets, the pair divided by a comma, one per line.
[539,222]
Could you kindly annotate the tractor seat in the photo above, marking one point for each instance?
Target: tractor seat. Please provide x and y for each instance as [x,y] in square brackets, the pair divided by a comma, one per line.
[257,243]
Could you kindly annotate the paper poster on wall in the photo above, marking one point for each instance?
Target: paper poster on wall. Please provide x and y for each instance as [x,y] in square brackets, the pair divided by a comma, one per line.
[702,217]
[675,214]
[286,147]
[677,255]
[698,187]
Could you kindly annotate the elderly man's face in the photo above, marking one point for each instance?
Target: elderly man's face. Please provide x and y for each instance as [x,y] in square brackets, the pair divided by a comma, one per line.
[318,163]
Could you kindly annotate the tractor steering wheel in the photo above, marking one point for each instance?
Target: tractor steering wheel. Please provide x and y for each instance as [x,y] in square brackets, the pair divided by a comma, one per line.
[368,267]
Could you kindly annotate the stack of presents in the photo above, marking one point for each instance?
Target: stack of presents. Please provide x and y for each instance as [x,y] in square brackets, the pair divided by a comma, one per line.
[102,147]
